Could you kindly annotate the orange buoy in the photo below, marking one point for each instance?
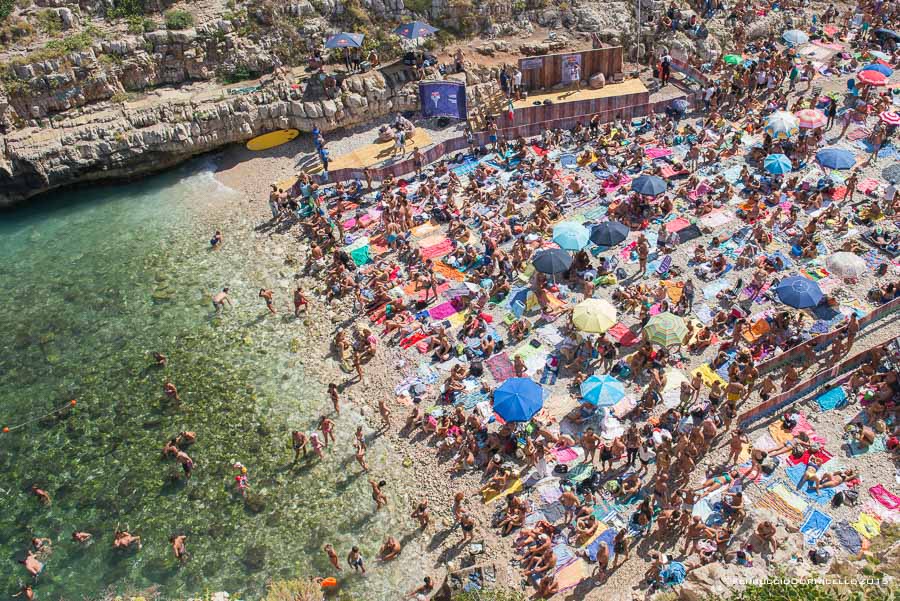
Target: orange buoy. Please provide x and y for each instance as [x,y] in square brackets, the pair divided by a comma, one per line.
[329,582]
[5,429]
[74,402]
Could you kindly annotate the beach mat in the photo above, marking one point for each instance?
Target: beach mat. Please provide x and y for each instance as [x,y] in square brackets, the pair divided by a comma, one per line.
[501,367]
[814,526]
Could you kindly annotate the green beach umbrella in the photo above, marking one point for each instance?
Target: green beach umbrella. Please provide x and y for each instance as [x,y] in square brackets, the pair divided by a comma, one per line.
[665,329]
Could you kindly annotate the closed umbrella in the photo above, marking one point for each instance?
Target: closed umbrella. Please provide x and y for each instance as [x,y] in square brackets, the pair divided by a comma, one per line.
[846,265]
[665,329]
[733,59]
[552,260]
[883,69]
[890,117]
[872,78]
[836,158]
[609,233]
[799,292]
[518,399]
[777,164]
[881,32]
[795,37]
[602,391]
[649,185]
[571,236]
[594,315]
[782,125]
[345,40]
[811,118]
[414,30]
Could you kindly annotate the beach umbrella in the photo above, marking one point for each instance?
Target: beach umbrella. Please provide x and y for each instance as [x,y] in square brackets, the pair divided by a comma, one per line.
[609,233]
[518,399]
[795,37]
[665,329]
[733,59]
[571,236]
[811,118]
[884,70]
[881,32]
[890,117]
[836,158]
[872,78]
[680,104]
[846,265]
[602,391]
[777,164]
[799,292]
[594,315]
[415,30]
[649,185]
[880,55]
[782,125]
[552,260]
[345,40]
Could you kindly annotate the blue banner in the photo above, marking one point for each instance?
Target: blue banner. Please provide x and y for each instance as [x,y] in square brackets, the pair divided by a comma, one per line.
[443,99]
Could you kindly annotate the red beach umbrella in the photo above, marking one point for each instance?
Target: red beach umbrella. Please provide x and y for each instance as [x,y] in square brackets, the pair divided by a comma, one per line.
[872,78]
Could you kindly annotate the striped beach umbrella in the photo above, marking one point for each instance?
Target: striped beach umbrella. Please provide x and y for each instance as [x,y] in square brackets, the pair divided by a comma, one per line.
[890,117]
[871,78]
[594,315]
[665,329]
[782,125]
[811,118]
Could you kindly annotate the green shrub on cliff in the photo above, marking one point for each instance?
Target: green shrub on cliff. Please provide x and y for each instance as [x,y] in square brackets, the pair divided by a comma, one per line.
[6,8]
[179,19]
[294,590]
[126,8]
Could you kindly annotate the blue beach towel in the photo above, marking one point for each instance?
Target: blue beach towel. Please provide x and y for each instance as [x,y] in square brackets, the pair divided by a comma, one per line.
[605,538]
[833,399]
[822,496]
[848,537]
[814,526]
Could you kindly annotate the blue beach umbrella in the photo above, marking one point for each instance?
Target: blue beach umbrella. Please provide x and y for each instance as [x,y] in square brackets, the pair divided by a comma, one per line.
[881,32]
[571,236]
[518,399]
[552,261]
[799,292]
[777,164]
[609,233]
[414,30]
[680,104]
[836,158]
[649,185]
[795,37]
[886,71]
[603,391]
[345,40]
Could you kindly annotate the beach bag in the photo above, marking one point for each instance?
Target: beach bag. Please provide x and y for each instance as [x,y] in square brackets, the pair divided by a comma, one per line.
[788,422]
[819,556]
[476,368]
[767,466]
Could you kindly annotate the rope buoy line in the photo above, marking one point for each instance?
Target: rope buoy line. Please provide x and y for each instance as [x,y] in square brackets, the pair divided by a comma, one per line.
[7,429]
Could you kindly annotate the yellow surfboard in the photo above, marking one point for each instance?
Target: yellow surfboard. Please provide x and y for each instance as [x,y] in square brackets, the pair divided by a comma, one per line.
[272,139]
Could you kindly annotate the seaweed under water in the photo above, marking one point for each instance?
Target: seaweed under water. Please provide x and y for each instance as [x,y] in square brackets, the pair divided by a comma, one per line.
[95,282]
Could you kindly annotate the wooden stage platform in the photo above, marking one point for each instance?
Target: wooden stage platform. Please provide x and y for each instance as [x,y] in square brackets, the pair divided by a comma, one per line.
[629,86]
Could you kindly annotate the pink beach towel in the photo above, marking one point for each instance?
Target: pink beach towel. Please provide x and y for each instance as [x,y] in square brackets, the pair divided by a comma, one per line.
[438,250]
[622,334]
[565,455]
[500,367]
[885,497]
[658,153]
[676,225]
[867,185]
[625,253]
[803,425]
[442,311]
[609,186]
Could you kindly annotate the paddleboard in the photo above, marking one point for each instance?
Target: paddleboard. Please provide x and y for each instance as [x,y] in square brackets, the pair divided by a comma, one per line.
[272,139]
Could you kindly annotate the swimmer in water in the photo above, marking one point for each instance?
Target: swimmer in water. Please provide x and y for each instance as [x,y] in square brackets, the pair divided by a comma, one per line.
[316,443]
[186,438]
[122,539]
[220,299]
[333,557]
[298,441]
[171,391]
[335,399]
[32,565]
[27,591]
[217,240]
[270,302]
[160,359]
[377,495]
[300,301]
[42,495]
[179,548]
[187,464]
[81,537]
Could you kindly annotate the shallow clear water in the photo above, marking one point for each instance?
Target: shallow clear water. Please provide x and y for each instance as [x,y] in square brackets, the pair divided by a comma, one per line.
[93,282]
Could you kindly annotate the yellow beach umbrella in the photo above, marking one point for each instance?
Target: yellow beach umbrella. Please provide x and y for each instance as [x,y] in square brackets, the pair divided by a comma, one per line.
[594,315]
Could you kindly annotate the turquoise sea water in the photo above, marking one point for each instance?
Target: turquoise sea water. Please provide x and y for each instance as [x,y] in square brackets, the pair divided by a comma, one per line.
[94,281]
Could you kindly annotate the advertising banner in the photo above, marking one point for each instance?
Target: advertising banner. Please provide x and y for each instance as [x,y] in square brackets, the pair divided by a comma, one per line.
[443,99]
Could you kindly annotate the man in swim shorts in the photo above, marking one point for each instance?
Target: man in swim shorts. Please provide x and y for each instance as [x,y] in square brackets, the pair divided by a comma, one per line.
[300,301]
[220,299]
[270,301]
[355,559]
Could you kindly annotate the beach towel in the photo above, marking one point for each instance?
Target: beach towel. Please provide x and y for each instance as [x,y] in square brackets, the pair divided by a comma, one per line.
[565,454]
[848,537]
[538,150]
[867,185]
[657,153]
[867,526]
[833,399]
[880,512]
[689,233]
[571,575]
[426,229]
[490,496]
[759,329]
[703,313]
[716,218]
[451,273]
[438,250]
[803,425]
[795,473]
[676,225]
[854,449]
[712,289]
[606,538]
[784,501]
[501,367]
[580,472]
[549,491]
[442,311]
[669,172]
[823,456]
[885,497]
[563,553]
[708,375]
[625,406]
[814,526]
[554,511]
